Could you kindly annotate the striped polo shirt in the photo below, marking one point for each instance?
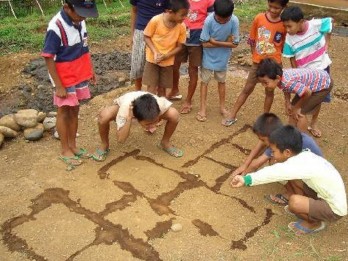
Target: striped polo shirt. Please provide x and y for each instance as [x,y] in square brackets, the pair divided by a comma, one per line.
[67,44]
[309,47]
[298,80]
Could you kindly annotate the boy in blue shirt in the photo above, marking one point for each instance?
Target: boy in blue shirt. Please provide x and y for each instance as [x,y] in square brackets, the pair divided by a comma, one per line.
[219,35]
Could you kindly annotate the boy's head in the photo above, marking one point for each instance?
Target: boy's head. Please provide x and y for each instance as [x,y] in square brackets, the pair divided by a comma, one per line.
[293,20]
[223,10]
[275,7]
[265,124]
[78,10]
[178,9]
[146,110]
[285,142]
[269,73]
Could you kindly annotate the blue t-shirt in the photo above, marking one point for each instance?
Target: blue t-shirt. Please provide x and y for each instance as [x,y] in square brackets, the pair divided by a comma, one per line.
[307,143]
[217,58]
[146,9]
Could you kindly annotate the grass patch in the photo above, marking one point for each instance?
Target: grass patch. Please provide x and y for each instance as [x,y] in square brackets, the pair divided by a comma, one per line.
[27,33]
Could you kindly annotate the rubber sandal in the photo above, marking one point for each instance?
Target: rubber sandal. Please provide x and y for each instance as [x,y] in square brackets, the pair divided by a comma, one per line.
[175,98]
[228,122]
[287,211]
[100,155]
[71,162]
[298,229]
[83,154]
[279,197]
[200,117]
[172,151]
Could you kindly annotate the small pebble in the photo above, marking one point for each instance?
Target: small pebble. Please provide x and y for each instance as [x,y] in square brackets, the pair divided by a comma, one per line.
[176,227]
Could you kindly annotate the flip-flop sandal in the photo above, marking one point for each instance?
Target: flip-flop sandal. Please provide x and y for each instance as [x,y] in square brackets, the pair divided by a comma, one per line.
[186,109]
[83,154]
[315,132]
[228,122]
[299,230]
[172,151]
[100,155]
[278,197]
[201,118]
[71,162]
[287,211]
[175,97]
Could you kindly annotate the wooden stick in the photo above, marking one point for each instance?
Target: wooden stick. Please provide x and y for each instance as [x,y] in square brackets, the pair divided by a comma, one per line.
[37,1]
[121,3]
[9,2]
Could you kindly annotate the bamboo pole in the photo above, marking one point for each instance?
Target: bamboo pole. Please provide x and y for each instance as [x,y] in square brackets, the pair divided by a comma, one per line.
[37,1]
[9,2]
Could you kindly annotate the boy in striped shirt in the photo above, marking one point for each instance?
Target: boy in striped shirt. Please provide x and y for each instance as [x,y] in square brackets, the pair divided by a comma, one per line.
[310,87]
[306,45]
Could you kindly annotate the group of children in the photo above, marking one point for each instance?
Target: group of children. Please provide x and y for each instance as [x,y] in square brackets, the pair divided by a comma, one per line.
[314,189]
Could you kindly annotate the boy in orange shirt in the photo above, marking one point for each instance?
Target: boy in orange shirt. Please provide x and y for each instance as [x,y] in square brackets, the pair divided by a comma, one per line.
[267,37]
[164,36]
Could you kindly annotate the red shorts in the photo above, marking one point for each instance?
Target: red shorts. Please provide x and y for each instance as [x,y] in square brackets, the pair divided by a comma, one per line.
[75,94]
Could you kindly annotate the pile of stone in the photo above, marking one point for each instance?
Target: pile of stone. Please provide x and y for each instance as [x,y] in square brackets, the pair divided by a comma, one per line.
[31,122]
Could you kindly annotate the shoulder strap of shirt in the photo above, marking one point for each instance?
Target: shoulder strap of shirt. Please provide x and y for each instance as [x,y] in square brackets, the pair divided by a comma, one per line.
[63,34]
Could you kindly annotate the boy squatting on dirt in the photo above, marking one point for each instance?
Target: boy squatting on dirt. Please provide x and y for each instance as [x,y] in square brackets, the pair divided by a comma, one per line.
[318,190]
[148,109]
[264,125]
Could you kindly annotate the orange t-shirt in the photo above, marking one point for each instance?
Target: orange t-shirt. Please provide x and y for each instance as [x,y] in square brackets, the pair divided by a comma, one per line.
[164,38]
[267,38]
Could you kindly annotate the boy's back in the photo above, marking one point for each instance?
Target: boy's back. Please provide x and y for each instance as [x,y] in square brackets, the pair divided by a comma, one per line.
[216,58]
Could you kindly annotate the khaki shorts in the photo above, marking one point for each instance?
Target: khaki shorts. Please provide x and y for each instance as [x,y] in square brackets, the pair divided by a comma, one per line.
[206,74]
[319,209]
[314,101]
[192,54]
[157,76]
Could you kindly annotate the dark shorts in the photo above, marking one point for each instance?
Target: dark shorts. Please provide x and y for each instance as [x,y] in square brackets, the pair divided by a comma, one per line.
[192,54]
[319,209]
[314,101]
[157,76]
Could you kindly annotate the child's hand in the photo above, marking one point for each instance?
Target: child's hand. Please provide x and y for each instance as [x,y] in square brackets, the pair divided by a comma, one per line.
[158,57]
[237,181]
[61,91]
[296,114]
[239,171]
[212,41]
[230,38]
[288,108]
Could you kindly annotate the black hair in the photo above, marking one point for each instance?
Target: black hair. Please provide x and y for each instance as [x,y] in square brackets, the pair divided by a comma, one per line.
[69,4]
[287,137]
[223,8]
[176,5]
[146,108]
[266,123]
[292,13]
[283,3]
[270,68]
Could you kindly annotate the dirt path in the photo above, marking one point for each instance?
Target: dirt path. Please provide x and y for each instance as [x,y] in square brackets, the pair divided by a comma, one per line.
[123,208]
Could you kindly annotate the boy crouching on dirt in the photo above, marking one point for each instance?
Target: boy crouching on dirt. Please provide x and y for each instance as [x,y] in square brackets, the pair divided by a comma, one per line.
[148,109]
[318,190]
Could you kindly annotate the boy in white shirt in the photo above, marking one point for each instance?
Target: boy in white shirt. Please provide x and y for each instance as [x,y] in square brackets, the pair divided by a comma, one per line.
[318,190]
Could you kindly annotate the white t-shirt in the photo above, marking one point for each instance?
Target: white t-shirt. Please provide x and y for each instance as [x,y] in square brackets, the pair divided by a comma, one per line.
[126,100]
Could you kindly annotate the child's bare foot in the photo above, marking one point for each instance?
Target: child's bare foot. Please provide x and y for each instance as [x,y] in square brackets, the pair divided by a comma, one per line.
[186,108]
[314,131]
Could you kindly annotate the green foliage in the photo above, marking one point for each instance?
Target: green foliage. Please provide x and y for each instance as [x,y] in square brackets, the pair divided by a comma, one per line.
[247,11]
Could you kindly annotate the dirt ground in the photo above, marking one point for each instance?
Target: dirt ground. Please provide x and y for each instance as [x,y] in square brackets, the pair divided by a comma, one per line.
[123,208]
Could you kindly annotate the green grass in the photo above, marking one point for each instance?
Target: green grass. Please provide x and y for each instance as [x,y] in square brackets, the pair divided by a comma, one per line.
[27,33]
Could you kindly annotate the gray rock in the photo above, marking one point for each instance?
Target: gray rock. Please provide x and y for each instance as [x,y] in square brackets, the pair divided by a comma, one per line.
[49,123]
[52,114]
[26,118]
[33,134]
[41,116]
[9,122]
[7,132]
[1,139]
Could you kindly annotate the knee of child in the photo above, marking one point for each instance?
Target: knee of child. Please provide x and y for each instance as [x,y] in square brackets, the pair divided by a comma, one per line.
[294,203]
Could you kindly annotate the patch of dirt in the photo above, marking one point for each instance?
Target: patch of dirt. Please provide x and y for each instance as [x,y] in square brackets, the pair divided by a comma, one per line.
[123,208]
